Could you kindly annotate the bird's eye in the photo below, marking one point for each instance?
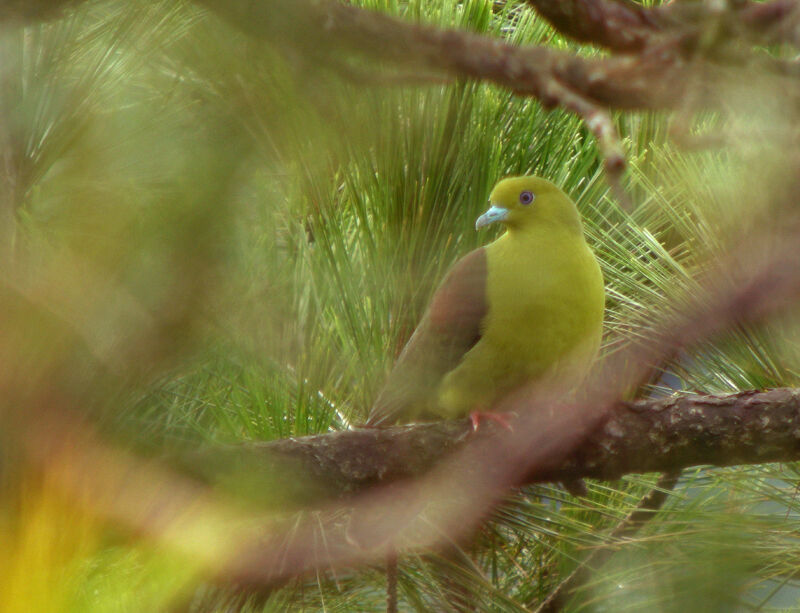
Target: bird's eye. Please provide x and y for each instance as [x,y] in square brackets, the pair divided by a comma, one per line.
[526,197]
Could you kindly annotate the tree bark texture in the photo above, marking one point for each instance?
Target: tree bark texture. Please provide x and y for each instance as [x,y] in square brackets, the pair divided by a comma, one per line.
[643,436]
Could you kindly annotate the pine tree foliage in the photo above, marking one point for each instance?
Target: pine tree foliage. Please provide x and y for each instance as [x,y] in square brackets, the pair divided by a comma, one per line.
[241,239]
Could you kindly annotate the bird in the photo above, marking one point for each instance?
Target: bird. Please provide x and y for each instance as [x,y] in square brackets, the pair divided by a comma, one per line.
[523,308]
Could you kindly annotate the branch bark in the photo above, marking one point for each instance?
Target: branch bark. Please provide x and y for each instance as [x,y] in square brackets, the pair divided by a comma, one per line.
[625,26]
[666,435]
[660,54]
[654,79]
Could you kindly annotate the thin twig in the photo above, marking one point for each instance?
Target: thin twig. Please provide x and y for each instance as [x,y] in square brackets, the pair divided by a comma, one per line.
[635,521]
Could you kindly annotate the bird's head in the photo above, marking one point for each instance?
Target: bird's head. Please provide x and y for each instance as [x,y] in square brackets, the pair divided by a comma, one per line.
[519,202]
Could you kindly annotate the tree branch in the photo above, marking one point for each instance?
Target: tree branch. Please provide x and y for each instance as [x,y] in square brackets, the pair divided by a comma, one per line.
[617,25]
[625,26]
[668,52]
[655,79]
[643,436]
[661,53]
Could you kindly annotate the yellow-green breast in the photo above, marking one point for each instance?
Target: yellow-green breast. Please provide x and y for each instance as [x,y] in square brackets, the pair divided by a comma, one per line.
[527,306]
[545,299]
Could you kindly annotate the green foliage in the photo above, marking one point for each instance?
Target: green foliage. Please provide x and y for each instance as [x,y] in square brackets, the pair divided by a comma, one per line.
[246,240]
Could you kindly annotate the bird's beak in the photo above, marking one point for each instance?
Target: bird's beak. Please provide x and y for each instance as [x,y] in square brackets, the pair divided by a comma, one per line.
[495,213]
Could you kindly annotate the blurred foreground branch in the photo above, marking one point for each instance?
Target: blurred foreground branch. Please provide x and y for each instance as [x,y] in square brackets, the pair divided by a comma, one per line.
[421,487]
[666,57]
[657,76]
[643,436]
[553,440]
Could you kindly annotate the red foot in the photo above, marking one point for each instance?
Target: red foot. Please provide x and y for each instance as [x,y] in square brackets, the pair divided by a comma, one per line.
[501,419]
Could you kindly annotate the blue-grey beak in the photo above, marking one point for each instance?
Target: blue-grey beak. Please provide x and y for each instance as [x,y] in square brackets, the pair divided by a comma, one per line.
[495,213]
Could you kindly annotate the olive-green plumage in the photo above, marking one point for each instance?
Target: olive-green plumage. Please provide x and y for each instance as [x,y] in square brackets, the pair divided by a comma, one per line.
[527,306]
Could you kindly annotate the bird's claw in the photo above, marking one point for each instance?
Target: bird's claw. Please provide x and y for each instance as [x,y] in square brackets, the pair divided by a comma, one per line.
[501,419]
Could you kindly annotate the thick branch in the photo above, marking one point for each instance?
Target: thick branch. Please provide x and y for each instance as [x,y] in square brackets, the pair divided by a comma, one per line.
[666,66]
[618,25]
[655,80]
[656,77]
[626,26]
[643,436]
[749,427]
[668,52]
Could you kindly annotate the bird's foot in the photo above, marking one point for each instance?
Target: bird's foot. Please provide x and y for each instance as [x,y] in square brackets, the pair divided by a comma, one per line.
[501,419]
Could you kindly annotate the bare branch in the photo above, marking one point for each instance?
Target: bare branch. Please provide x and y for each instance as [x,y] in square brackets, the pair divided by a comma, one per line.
[662,52]
[625,26]
[656,79]
[618,25]
[643,436]
[674,54]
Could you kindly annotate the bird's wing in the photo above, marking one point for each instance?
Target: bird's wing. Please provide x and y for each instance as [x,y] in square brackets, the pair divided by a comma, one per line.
[449,328]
